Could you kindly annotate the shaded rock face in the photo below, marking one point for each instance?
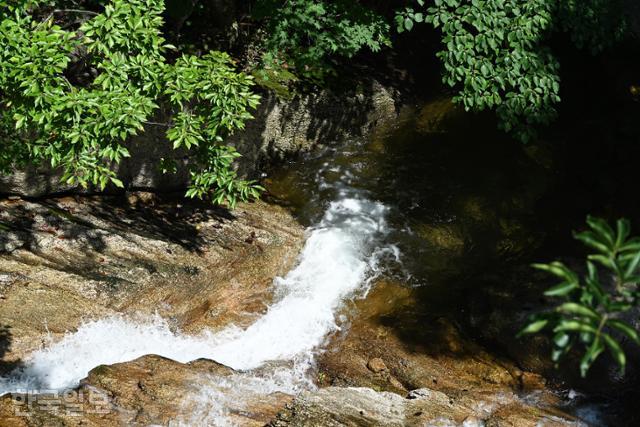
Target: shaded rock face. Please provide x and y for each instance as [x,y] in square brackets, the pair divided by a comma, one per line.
[68,260]
[281,128]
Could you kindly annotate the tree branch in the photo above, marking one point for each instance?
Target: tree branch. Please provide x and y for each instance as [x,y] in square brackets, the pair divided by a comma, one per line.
[86,12]
[157,124]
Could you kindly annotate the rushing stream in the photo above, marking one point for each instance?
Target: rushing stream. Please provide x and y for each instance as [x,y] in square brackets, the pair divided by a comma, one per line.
[466,221]
[338,262]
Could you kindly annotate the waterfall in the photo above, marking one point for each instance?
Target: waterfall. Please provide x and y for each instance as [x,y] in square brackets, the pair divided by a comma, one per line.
[338,261]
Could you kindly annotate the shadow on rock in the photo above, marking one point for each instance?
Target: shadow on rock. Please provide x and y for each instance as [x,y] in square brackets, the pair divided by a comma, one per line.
[89,220]
[5,345]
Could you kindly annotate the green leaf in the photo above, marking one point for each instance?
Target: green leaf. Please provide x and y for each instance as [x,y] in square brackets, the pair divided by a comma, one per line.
[626,329]
[633,266]
[561,339]
[574,326]
[118,183]
[408,24]
[631,245]
[602,229]
[590,239]
[623,228]
[558,269]
[534,327]
[604,260]
[562,289]
[616,351]
[578,309]
[590,356]
[20,119]
[618,306]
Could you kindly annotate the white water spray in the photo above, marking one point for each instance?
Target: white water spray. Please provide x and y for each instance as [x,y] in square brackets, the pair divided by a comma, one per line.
[338,260]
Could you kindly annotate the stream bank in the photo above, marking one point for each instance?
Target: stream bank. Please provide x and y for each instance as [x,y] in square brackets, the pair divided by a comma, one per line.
[204,280]
[440,321]
[69,260]
[202,269]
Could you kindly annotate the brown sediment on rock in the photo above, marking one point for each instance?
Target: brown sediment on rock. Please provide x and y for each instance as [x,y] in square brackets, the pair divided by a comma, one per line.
[460,378]
[67,260]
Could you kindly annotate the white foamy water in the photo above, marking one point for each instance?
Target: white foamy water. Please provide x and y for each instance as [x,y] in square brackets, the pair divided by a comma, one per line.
[337,262]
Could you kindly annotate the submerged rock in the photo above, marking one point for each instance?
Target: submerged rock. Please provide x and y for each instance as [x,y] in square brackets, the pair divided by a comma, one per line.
[376,365]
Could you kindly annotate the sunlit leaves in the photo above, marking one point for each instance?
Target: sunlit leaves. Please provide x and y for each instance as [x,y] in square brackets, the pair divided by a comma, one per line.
[215,101]
[495,55]
[84,127]
[217,180]
[593,311]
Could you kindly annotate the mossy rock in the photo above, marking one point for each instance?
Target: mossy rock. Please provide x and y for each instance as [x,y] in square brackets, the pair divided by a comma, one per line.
[435,116]
[276,81]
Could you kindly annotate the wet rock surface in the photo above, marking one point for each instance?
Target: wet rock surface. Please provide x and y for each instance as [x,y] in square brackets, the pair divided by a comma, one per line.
[68,260]
[384,351]
[357,406]
[150,390]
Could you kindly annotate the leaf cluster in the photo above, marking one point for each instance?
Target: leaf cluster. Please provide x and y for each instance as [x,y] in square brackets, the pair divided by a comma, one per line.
[307,34]
[46,114]
[593,24]
[496,55]
[593,307]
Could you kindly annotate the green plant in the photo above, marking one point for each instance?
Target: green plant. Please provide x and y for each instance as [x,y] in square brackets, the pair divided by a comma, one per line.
[305,35]
[495,52]
[493,55]
[592,24]
[593,306]
[278,80]
[76,85]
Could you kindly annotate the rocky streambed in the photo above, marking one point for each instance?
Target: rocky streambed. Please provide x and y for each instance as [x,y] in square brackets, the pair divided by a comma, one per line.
[67,262]
[345,307]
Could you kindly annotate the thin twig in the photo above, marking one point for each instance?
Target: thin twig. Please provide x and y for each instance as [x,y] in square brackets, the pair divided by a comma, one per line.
[87,12]
[157,124]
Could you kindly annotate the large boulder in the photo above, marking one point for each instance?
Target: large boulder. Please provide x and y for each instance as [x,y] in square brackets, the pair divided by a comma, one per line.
[147,391]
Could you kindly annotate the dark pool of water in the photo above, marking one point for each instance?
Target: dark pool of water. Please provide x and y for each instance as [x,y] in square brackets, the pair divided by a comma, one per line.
[471,209]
